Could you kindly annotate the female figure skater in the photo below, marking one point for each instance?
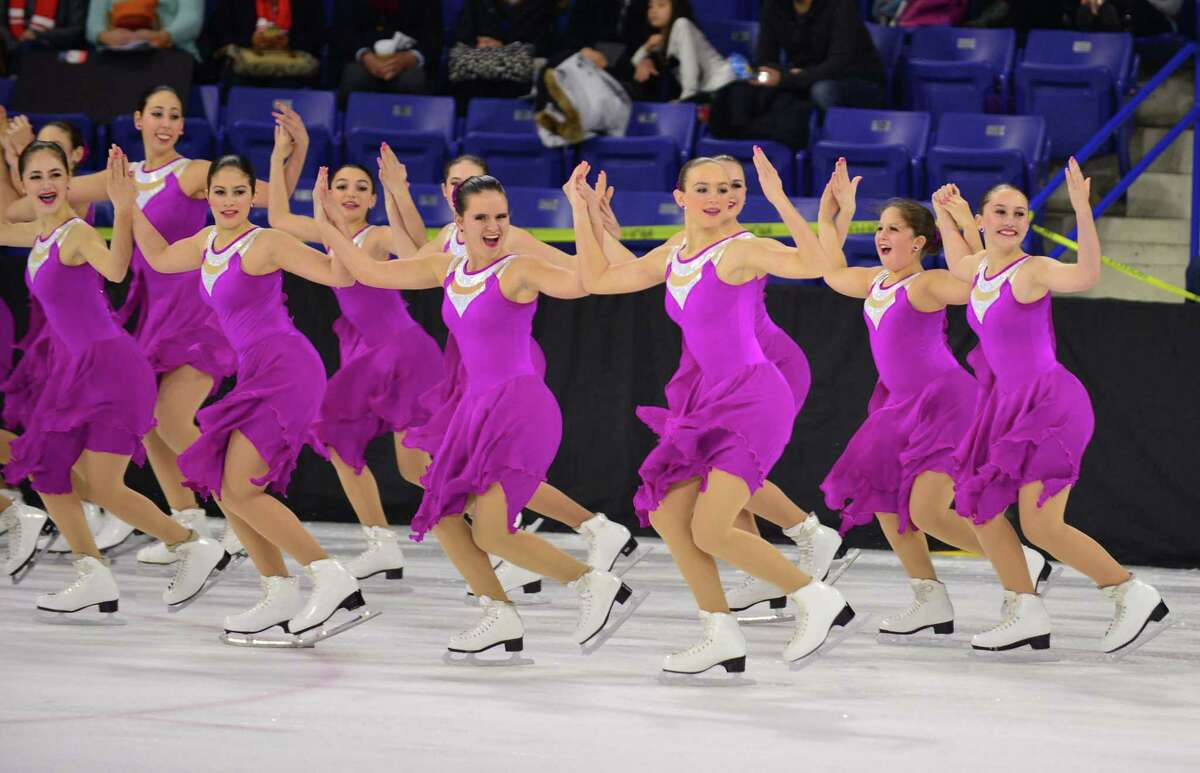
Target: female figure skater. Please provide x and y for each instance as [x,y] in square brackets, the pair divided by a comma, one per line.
[897,467]
[506,426]
[1033,420]
[716,450]
[607,540]
[96,408]
[387,361]
[251,437]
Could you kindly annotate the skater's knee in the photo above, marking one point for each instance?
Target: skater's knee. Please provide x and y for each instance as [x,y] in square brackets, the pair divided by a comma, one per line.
[670,526]
[1042,532]
[491,535]
[709,536]
[178,432]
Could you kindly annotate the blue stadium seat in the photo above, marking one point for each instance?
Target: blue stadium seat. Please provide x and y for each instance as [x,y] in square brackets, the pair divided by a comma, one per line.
[658,139]
[977,151]
[431,204]
[726,9]
[638,208]
[538,208]
[759,210]
[198,140]
[419,129]
[502,132]
[743,150]
[889,42]
[730,36]
[952,69]
[450,12]
[250,129]
[1083,76]
[886,147]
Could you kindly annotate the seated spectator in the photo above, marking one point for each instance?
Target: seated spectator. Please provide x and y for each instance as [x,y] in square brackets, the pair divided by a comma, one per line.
[1137,17]
[496,42]
[55,24]
[127,24]
[387,45]
[810,53]
[677,61]
[273,43]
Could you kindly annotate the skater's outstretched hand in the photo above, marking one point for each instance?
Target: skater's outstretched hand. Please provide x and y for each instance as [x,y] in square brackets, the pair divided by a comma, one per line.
[1079,188]
[121,190]
[573,188]
[845,188]
[291,121]
[768,177]
[604,195]
[284,145]
[323,198]
[392,173]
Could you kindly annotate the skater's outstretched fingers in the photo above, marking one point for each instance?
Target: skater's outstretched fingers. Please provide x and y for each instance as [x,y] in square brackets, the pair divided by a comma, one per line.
[768,176]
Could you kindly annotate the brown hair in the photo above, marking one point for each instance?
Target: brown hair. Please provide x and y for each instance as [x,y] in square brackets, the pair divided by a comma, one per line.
[998,189]
[919,219]
[681,181]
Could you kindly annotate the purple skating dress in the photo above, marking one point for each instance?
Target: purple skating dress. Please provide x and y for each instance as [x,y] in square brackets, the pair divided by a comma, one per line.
[6,339]
[101,396]
[920,410]
[506,426]
[280,378]
[1034,418]
[439,402]
[387,362]
[172,325]
[739,416]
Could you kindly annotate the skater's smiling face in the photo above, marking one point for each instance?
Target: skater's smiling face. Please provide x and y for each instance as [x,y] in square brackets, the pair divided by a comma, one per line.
[230,194]
[459,171]
[482,217]
[904,233]
[354,191]
[737,185]
[160,120]
[1004,217]
[44,173]
[704,192]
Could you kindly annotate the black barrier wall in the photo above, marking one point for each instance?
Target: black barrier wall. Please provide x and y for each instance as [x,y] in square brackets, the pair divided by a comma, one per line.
[1139,493]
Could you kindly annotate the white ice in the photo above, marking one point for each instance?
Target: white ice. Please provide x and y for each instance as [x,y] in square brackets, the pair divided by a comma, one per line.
[162,694]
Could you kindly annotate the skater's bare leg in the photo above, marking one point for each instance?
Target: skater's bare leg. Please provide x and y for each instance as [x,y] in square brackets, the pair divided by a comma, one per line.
[712,530]
[458,543]
[1045,527]
[489,518]
[1002,547]
[745,521]
[261,511]
[557,506]
[165,464]
[910,547]
[771,503]
[6,439]
[412,462]
[267,558]
[67,513]
[105,475]
[929,506]
[673,522]
[181,392]
[362,491]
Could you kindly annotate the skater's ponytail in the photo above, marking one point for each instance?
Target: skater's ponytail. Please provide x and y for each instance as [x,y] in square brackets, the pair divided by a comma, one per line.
[472,186]
[38,146]
[920,220]
[241,163]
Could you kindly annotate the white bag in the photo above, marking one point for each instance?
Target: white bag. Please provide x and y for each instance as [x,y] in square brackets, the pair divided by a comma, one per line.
[602,104]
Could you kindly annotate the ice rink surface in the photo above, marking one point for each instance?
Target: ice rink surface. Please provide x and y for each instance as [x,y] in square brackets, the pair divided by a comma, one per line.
[161,693]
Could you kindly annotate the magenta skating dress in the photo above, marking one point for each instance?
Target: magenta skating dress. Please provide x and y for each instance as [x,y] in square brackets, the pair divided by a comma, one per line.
[387,362]
[439,402]
[506,426]
[101,396]
[280,378]
[920,410]
[6,339]
[1034,418]
[172,325]
[738,418]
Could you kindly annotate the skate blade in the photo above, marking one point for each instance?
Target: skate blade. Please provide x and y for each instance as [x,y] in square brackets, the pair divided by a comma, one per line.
[473,660]
[332,627]
[214,577]
[926,638]
[1044,587]
[713,677]
[87,617]
[613,624]
[264,640]
[836,635]
[131,544]
[1018,655]
[1151,632]
[781,615]
[633,559]
[28,566]
[840,565]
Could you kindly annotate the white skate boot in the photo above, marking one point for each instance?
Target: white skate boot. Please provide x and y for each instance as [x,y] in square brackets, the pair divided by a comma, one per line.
[752,591]
[818,545]
[1040,570]
[1024,622]
[607,542]
[599,593]
[113,531]
[193,518]
[501,626]
[335,594]
[199,566]
[233,546]
[94,515]
[279,603]
[1137,606]
[94,587]
[15,497]
[382,556]
[819,608]
[722,644]
[27,524]
[931,609]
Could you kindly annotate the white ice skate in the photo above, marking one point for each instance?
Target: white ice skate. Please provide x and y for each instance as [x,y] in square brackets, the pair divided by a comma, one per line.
[1138,606]
[93,588]
[233,546]
[335,605]
[752,591]
[201,563]
[818,545]
[599,594]
[27,525]
[280,602]
[95,517]
[514,578]
[382,556]
[1041,571]
[501,626]
[931,610]
[721,644]
[113,532]
[609,541]
[15,497]
[1024,623]
[819,609]
[193,518]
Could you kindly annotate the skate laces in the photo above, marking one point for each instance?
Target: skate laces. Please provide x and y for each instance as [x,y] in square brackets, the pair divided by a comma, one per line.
[1117,594]
[1009,612]
[921,596]
[84,574]
[707,639]
[491,615]
[183,565]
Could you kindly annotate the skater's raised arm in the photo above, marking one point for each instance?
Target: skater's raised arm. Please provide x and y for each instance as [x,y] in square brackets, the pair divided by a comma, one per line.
[184,255]
[597,275]
[275,249]
[804,261]
[960,237]
[279,213]
[529,275]
[838,196]
[1060,277]
[408,217]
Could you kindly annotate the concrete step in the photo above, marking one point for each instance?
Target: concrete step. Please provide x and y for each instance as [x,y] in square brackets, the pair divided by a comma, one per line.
[1114,284]
[1176,159]
[1143,230]
[1137,253]
[1105,173]
[1168,103]
[1159,195]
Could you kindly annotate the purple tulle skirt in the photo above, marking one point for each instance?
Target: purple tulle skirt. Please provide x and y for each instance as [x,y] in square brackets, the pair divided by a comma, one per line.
[377,389]
[508,434]
[280,385]
[739,425]
[1037,431]
[100,399]
[902,437]
[26,382]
